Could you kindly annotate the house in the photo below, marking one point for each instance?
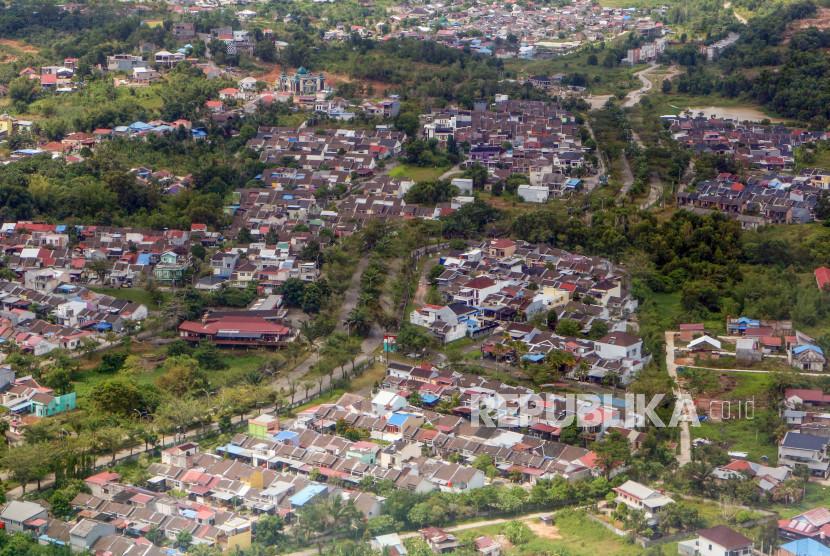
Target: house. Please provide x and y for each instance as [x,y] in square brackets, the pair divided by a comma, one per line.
[619,345]
[689,331]
[822,276]
[87,532]
[17,514]
[803,547]
[704,343]
[464,185]
[807,357]
[237,331]
[533,193]
[388,544]
[385,403]
[263,426]
[717,541]
[805,449]
[46,405]
[640,497]
[439,540]
[171,268]
[488,547]
[812,524]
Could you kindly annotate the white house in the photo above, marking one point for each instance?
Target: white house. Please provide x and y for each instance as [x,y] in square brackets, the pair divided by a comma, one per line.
[533,193]
[716,541]
[464,185]
[386,403]
[640,497]
[619,345]
[426,315]
[476,290]
[703,343]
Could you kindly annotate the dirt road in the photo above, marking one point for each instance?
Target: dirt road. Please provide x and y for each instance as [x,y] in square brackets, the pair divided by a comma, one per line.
[685,455]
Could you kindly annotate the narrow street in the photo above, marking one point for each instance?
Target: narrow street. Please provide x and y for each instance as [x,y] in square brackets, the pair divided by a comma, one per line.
[685,454]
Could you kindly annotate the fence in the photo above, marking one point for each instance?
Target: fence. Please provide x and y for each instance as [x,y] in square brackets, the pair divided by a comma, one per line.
[359,368]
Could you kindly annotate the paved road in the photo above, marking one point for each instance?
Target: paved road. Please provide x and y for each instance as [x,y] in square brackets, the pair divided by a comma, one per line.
[685,455]
[106,460]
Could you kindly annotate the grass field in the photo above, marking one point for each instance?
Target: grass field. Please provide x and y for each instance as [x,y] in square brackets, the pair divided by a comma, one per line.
[238,365]
[609,78]
[815,496]
[136,295]
[418,173]
[740,435]
[579,537]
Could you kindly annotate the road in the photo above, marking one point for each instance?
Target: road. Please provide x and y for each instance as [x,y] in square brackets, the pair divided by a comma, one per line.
[642,75]
[592,180]
[106,460]
[685,455]
[738,17]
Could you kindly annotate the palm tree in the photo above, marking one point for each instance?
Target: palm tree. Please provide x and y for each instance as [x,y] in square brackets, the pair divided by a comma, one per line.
[358,320]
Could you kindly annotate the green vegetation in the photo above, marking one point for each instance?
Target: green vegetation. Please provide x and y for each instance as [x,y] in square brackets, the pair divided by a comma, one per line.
[417,173]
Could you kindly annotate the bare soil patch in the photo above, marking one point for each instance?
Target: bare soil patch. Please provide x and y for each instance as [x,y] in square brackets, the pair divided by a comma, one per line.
[274,72]
[821,20]
[545,531]
[19,45]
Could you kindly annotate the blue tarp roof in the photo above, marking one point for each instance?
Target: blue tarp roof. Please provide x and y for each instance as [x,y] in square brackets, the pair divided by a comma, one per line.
[806,547]
[305,495]
[60,228]
[535,357]
[103,326]
[143,258]
[140,126]
[805,347]
[398,419]
[22,406]
[285,435]
[234,449]
[426,398]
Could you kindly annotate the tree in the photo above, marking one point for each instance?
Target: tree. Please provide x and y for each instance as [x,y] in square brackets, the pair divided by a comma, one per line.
[592,60]
[552,319]
[568,327]
[517,532]
[183,539]
[27,462]
[198,251]
[244,236]
[119,395]
[269,529]
[209,356]
[101,268]
[666,86]
[409,123]
[412,338]
[599,328]
[182,375]
[613,449]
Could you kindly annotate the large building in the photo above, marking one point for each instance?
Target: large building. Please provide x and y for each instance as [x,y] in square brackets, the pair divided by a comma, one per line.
[304,82]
